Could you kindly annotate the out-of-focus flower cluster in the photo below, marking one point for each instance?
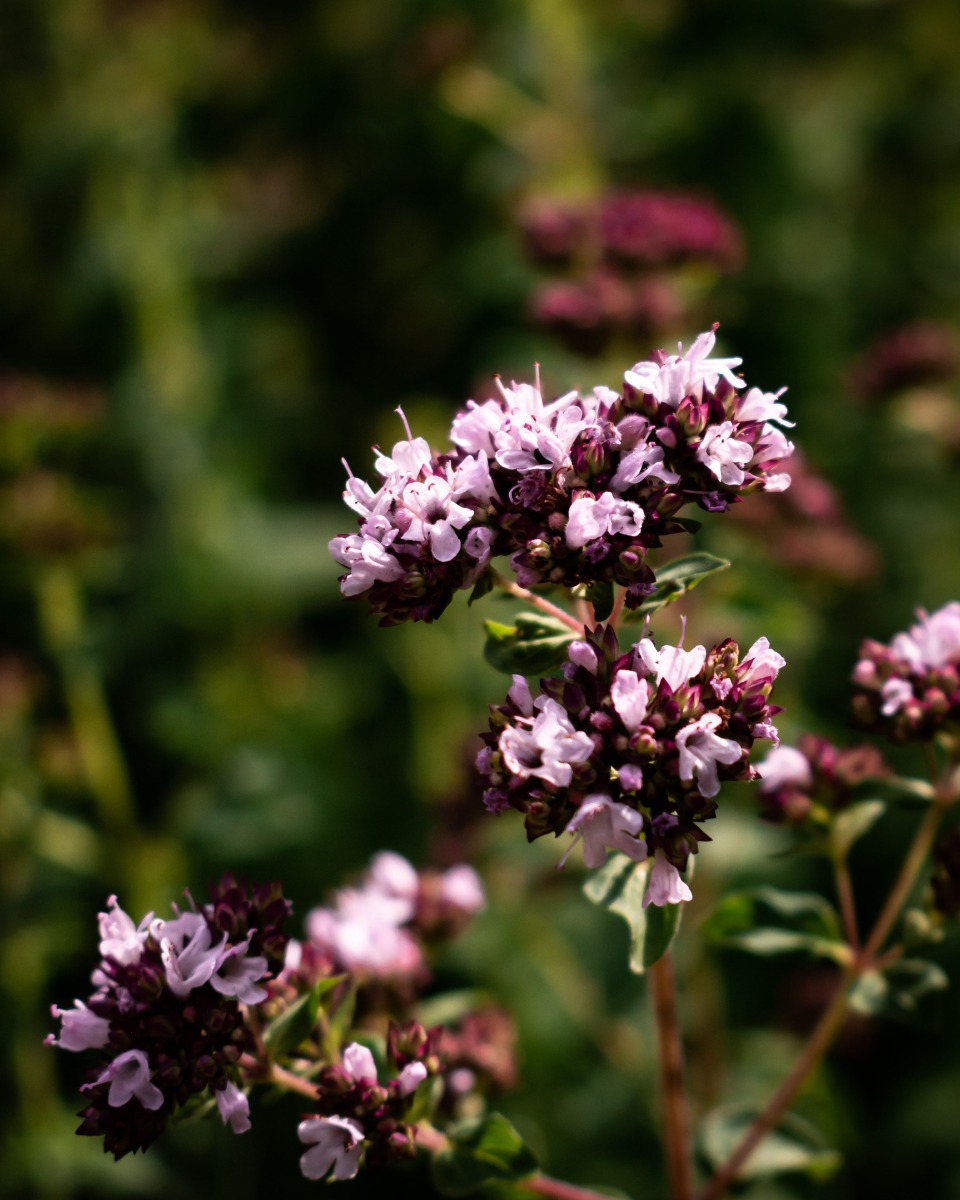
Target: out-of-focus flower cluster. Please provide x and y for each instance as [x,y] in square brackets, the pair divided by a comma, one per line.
[806,530]
[167,1012]
[616,262]
[574,491]
[378,931]
[909,690]
[922,353]
[372,943]
[627,750]
[807,784]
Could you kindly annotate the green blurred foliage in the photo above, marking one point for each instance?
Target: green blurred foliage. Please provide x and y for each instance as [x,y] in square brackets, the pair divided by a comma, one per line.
[235,236]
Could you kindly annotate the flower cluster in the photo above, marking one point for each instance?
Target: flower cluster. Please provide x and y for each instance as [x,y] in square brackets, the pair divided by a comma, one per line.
[575,491]
[377,931]
[615,265]
[807,783]
[627,750]
[636,228]
[910,689]
[167,1012]
[359,1116]
[915,355]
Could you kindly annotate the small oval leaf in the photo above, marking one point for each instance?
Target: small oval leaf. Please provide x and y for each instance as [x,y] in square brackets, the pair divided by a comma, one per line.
[478,1152]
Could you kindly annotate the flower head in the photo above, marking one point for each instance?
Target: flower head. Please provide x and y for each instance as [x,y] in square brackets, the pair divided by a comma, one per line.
[627,750]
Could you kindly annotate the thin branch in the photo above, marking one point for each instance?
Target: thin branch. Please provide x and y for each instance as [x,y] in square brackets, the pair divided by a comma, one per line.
[528,597]
[817,1045]
[544,1185]
[617,611]
[912,866]
[848,908]
[673,1100]
[292,1083]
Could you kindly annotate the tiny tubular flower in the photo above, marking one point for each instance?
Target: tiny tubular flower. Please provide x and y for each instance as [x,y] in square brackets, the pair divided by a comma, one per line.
[234,1108]
[81,1029]
[630,695]
[129,1077]
[605,824]
[335,1143]
[548,749]
[700,751]
[782,767]
[665,885]
[358,1063]
[120,939]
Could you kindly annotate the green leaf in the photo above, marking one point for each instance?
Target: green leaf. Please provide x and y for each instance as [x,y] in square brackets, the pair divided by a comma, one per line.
[619,885]
[533,645]
[481,1151]
[600,595]
[851,824]
[295,1024]
[768,921]
[675,580]
[911,793]
[793,1145]
[899,991]
[481,588]
[449,1007]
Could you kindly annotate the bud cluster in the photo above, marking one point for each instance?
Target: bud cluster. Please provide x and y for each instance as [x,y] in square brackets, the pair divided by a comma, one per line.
[808,783]
[167,1012]
[627,750]
[909,690]
[358,1115]
[575,491]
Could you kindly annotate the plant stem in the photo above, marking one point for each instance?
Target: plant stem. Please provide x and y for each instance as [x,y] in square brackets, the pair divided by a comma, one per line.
[617,611]
[552,610]
[824,1033]
[848,908]
[557,1189]
[676,1132]
[60,607]
[292,1083]
[912,865]
[832,1019]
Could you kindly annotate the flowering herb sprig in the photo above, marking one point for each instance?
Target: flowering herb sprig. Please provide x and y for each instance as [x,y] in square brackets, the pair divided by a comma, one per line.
[167,1012]
[573,491]
[218,999]
[627,750]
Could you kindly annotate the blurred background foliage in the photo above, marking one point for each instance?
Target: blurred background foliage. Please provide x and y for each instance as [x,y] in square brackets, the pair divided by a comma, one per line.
[233,238]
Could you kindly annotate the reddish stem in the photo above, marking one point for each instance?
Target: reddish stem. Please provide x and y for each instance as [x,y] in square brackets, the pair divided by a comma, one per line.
[673,1100]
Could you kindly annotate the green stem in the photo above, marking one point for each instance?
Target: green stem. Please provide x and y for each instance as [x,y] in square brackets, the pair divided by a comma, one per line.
[817,1045]
[673,1100]
[848,908]
[912,865]
[60,609]
[832,1019]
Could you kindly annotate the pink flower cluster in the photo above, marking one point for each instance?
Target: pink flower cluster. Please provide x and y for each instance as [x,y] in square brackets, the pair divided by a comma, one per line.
[627,750]
[808,783]
[359,1115]
[166,1011]
[377,931]
[910,689]
[615,264]
[574,491]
